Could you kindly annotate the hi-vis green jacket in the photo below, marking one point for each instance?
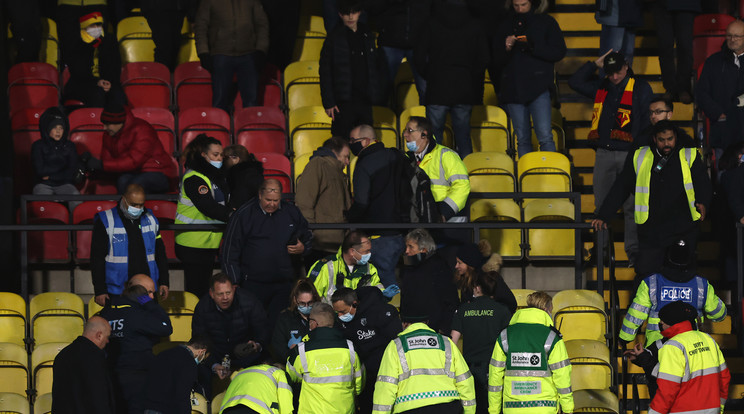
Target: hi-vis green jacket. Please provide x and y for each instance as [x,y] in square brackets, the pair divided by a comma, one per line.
[262,388]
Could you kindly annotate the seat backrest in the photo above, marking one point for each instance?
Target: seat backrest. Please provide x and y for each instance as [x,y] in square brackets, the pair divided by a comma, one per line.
[212,121]
[132,25]
[193,86]
[85,211]
[499,209]
[12,318]
[14,370]
[259,116]
[12,403]
[56,317]
[86,130]
[544,171]
[42,361]
[198,404]
[711,24]
[33,71]
[162,209]
[48,211]
[521,296]
[277,166]
[26,119]
[217,403]
[307,115]
[302,84]
[549,209]
[580,314]
[595,401]
[43,404]
[163,122]
[145,71]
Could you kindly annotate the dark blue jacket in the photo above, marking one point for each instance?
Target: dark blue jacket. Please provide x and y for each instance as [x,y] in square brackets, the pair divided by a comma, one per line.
[169,382]
[57,160]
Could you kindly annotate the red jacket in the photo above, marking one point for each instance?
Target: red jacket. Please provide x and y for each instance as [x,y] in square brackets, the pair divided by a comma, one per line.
[136,148]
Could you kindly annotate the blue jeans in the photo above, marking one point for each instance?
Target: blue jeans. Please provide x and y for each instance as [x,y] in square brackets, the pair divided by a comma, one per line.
[619,39]
[394,57]
[386,250]
[152,182]
[244,67]
[460,114]
[540,110]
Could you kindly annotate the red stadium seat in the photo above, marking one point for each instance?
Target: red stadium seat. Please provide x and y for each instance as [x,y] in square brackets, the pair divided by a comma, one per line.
[277,166]
[211,121]
[163,122]
[48,245]
[269,88]
[25,130]
[147,84]
[261,129]
[165,212]
[32,85]
[83,214]
[193,86]
[86,130]
[709,33]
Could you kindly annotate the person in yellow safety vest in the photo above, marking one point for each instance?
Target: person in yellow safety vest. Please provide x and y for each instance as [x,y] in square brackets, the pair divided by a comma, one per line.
[530,372]
[672,193]
[201,200]
[258,389]
[676,281]
[349,268]
[422,371]
[450,185]
[327,365]
[691,375]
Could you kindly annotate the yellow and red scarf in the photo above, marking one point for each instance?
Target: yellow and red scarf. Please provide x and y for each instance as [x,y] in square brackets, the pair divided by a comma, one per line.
[623,120]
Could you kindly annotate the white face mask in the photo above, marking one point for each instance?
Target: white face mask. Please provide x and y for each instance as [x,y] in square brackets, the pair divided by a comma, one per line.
[94,31]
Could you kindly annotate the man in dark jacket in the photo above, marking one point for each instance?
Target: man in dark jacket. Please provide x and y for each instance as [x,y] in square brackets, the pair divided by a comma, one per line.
[351,78]
[673,192]
[137,324]
[379,184]
[172,376]
[165,18]
[370,323]
[54,156]
[720,90]
[662,109]
[81,383]
[235,323]
[673,20]
[452,56]
[621,103]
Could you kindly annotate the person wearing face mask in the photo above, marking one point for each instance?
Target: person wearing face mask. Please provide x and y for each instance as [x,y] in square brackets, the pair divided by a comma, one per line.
[54,157]
[126,242]
[322,195]
[672,194]
[370,324]
[293,325]
[349,267]
[202,200]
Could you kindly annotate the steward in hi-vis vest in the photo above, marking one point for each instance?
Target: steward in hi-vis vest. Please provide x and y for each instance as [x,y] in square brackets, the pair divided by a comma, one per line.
[261,388]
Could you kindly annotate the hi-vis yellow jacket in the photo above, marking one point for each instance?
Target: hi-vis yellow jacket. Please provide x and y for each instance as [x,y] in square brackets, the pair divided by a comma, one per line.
[262,388]
[449,177]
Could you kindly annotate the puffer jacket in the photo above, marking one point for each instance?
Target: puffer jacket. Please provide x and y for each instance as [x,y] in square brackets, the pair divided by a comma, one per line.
[231,27]
[55,160]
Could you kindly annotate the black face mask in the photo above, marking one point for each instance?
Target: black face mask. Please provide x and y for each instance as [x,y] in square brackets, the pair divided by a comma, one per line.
[356,147]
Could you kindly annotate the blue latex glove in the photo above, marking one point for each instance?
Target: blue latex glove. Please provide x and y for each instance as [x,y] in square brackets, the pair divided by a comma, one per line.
[391,291]
[294,341]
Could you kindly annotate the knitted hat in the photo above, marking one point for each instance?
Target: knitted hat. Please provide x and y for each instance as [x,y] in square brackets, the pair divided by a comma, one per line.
[113,113]
[471,255]
[614,62]
[89,19]
[677,312]
[414,306]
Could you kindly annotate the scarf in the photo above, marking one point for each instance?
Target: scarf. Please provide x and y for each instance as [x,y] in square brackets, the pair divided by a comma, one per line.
[623,120]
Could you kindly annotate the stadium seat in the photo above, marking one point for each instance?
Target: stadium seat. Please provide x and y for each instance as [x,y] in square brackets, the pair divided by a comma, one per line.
[261,129]
[43,404]
[32,85]
[83,214]
[489,91]
[709,33]
[270,87]
[386,126]
[204,120]
[580,314]
[86,130]
[277,166]
[542,171]
[309,127]
[25,130]
[56,317]
[163,122]
[299,166]
[550,243]
[42,361]
[193,86]
[595,401]
[147,84]
[187,51]
[49,50]
[590,363]
[217,403]
[302,84]
[12,318]
[506,242]
[521,296]
[489,129]
[490,172]
[135,40]
[165,212]
[14,371]
[308,46]
[93,307]
[48,245]
[406,95]
[12,403]
[198,404]
[421,111]
[180,308]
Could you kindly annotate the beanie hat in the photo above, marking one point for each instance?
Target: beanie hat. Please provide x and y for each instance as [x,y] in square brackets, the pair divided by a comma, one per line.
[89,19]
[414,307]
[471,255]
[113,113]
[677,312]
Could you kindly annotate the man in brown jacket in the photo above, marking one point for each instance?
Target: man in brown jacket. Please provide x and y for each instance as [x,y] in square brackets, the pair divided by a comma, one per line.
[232,38]
[323,195]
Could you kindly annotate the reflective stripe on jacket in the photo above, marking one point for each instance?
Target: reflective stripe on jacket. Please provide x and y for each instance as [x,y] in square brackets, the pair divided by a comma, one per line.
[187,213]
[449,177]
[262,388]
[323,275]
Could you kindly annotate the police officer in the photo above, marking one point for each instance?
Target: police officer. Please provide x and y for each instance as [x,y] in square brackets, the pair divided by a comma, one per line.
[677,281]
[370,323]
[137,323]
[530,371]
[421,370]
[692,374]
[258,389]
[201,200]
[328,367]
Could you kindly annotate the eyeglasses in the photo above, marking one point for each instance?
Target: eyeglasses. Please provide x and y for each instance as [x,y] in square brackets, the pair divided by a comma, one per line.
[734,37]
[304,303]
[660,111]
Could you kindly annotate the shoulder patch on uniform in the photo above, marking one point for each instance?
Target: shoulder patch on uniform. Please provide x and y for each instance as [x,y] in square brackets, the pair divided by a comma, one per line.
[315,271]
[203,189]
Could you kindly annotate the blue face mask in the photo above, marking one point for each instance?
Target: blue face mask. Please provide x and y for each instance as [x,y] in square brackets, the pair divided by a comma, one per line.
[411,146]
[347,317]
[305,310]
[216,164]
[364,259]
[134,211]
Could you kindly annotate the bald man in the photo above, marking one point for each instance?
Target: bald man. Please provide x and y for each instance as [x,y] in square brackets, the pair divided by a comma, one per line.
[137,324]
[126,241]
[81,382]
[260,238]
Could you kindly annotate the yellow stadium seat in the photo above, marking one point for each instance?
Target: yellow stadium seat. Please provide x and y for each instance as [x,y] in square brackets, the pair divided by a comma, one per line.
[198,404]
[590,364]
[12,318]
[93,307]
[385,124]
[43,404]
[217,402]
[300,163]
[302,84]
[309,127]
[490,172]
[13,368]
[12,403]
[180,308]
[350,173]
[595,401]
[135,40]
[550,243]
[310,23]
[580,314]
[489,129]
[544,172]
[187,51]
[489,93]
[56,317]
[49,50]
[42,361]
[421,111]
[506,242]
[308,46]
[521,296]
[406,95]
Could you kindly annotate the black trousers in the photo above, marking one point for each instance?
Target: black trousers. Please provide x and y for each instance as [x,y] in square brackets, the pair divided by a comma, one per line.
[674,27]
[128,390]
[198,267]
[166,33]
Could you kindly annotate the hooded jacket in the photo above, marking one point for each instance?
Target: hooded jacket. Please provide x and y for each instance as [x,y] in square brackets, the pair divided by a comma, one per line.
[55,162]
